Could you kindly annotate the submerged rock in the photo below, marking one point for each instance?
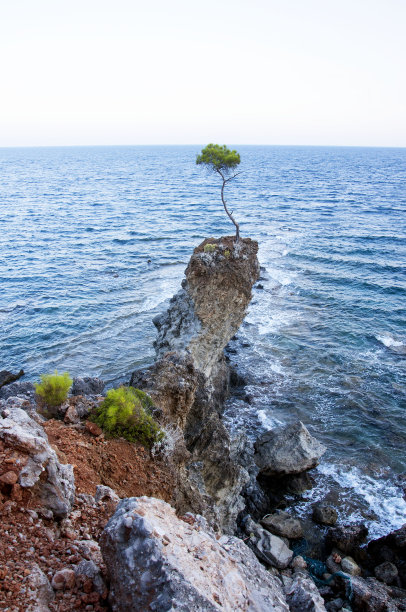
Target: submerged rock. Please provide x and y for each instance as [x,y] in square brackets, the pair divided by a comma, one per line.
[7,377]
[287,450]
[324,515]
[157,561]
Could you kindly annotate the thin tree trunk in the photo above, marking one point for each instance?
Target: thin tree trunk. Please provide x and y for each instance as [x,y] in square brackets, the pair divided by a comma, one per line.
[237,227]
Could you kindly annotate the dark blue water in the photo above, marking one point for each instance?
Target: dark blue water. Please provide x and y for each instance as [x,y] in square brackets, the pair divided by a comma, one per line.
[325,337]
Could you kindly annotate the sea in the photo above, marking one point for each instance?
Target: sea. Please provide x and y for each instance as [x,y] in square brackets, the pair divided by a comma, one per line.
[95,240]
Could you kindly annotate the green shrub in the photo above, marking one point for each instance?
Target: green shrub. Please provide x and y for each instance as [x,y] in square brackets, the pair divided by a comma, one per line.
[209,247]
[53,388]
[126,413]
[227,254]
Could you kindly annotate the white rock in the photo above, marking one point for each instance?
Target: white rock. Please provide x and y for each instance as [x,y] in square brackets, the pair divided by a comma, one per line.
[186,569]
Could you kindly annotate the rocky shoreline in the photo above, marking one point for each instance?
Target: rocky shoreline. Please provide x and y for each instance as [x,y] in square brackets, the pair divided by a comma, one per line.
[93,524]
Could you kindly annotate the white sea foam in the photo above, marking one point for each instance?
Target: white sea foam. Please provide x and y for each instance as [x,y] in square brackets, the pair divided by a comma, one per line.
[392,343]
[376,495]
[266,421]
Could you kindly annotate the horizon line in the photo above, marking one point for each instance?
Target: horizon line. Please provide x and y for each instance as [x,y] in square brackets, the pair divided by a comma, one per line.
[58,146]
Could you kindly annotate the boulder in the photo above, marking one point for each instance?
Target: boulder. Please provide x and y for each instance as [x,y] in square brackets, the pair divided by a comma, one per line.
[287,450]
[302,595]
[347,538]
[266,546]
[87,571]
[386,572]
[369,595]
[157,561]
[324,515]
[87,386]
[283,524]
[349,566]
[37,466]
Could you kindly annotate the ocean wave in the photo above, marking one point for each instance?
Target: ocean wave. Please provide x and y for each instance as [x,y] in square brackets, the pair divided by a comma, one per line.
[392,343]
[380,495]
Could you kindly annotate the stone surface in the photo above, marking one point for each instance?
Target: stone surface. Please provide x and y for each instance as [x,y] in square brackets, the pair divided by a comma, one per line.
[389,548]
[158,562]
[63,579]
[266,546]
[18,389]
[324,515]
[93,429]
[347,538]
[37,466]
[386,572]
[39,590]
[87,386]
[283,524]
[71,416]
[369,595]
[86,570]
[104,494]
[349,566]
[302,595]
[210,307]
[287,450]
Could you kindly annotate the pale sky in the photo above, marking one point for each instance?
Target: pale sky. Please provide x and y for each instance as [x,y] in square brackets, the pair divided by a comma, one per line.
[305,72]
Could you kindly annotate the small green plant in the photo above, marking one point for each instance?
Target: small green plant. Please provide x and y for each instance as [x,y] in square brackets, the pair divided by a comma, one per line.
[209,247]
[126,413]
[53,388]
[227,254]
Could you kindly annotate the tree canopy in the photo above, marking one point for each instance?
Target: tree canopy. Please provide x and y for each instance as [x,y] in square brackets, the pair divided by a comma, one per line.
[222,161]
[218,158]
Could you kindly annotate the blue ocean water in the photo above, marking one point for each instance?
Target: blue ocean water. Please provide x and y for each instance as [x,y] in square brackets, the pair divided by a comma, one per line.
[94,241]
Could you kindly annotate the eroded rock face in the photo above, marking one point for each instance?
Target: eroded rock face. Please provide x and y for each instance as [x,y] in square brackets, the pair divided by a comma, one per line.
[287,450]
[189,381]
[157,561]
[211,305]
[35,464]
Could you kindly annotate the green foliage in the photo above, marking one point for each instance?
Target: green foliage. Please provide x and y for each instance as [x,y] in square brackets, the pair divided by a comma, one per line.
[53,388]
[227,253]
[218,158]
[209,247]
[126,413]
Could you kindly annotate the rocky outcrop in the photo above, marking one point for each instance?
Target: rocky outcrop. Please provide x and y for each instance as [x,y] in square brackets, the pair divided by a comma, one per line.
[287,450]
[211,305]
[27,461]
[189,381]
[7,377]
[157,561]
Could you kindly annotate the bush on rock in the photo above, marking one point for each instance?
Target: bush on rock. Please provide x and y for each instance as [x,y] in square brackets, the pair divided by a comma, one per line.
[126,413]
[53,388]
